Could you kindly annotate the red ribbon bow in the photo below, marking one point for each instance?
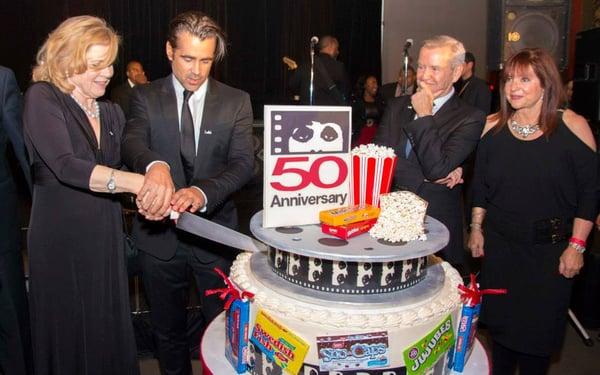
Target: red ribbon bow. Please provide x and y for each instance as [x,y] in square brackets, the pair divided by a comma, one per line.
[471,295]
[229,294]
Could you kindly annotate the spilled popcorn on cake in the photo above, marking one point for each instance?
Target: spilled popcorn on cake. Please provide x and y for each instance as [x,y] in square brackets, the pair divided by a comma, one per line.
[402,218]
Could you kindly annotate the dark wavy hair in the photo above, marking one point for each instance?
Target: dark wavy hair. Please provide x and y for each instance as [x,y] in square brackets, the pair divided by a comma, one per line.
[361,83]
[545,69]
[199,25]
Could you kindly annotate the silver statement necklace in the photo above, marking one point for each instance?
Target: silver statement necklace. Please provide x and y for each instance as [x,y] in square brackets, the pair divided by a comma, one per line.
[523,130]
[93,114]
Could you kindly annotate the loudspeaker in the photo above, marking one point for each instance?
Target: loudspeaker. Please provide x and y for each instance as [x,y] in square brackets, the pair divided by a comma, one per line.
[586,78]
[517,24]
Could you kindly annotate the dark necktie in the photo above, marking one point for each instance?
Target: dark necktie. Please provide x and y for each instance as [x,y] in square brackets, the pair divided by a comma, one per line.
[188,140]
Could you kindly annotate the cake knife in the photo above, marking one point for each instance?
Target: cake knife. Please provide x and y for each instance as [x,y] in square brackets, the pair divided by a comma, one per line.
[202,227]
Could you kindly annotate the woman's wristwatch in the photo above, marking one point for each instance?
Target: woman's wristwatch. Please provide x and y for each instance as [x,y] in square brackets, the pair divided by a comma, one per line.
[111,185]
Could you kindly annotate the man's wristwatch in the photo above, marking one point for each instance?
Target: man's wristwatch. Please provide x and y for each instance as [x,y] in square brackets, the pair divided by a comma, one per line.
[111,185]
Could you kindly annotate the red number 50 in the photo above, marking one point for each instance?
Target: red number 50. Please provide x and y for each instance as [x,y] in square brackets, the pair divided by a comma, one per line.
[310,176]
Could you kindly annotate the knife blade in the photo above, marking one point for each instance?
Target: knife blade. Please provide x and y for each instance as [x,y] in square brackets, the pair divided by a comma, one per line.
[202,227]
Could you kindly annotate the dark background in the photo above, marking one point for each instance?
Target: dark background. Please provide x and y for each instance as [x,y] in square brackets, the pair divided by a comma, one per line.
[260,33]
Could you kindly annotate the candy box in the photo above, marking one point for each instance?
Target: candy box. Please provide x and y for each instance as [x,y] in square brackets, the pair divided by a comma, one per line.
[471,296]
[348,231]
[465,337]
[237,312]
[236,334]
[348,215]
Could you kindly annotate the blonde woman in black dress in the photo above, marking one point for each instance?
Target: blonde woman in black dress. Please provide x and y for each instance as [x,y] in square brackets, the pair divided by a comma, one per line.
[534,202]
[79,291]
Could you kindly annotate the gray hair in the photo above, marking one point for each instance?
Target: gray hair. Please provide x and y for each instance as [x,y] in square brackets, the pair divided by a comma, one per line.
[455,46]
[199,25]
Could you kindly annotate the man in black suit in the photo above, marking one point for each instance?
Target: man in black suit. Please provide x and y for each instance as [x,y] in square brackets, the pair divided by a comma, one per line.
[472,89]
[433,132]
[331,85]
[394,89]
[135,76]
[192,137]
[15,338]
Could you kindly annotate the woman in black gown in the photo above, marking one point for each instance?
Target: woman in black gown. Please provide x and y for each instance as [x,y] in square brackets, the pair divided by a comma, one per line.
[79,291]
[535,186]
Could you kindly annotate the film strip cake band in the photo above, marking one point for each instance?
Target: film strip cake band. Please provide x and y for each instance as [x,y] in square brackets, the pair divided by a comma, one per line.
[347,277]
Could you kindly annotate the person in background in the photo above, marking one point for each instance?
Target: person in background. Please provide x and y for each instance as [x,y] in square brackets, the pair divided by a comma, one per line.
[473,89]
[433,132]
[192,136]
[534,202]
[569,92]
[135,76]
[367,108]
[80,310]
[331,85]
[15,337]
[394,89]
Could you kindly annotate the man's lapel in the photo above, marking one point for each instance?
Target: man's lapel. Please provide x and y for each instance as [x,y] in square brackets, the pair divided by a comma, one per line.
[407,115]
[170,121]
[211,108]
[212,103]
[170,112]
[442,115]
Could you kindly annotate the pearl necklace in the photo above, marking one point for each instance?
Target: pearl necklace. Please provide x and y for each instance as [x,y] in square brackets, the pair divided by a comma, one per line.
[523,130]
[92,114]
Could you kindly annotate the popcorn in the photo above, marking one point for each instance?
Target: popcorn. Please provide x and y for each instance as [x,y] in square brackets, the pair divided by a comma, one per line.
[372,172]
[402,218]
[373,150]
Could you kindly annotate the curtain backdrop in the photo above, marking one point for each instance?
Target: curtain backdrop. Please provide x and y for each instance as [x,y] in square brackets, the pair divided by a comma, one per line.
[260,33]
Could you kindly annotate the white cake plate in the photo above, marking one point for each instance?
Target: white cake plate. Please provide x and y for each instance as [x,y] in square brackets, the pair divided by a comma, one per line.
[212,353]
[308,240]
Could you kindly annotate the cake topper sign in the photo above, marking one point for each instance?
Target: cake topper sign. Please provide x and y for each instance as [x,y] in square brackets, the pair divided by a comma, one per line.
[306,163]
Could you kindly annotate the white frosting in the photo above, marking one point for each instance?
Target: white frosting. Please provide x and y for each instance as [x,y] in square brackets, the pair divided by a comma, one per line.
[359,316]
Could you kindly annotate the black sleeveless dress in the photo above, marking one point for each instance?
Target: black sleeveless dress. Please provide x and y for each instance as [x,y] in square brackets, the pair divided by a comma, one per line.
[532,190]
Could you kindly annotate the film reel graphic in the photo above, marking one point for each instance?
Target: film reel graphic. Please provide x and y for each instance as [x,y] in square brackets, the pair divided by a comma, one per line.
[308,133]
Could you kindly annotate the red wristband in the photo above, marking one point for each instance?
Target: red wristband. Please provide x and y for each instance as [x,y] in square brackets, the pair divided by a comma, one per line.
[577,241]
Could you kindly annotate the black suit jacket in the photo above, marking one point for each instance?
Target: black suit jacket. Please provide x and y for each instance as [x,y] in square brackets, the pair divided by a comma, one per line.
[121,95]
[323,94]
[476,92]
[15,341]
[388,91]
[224,160]
[11,130]
[440,143]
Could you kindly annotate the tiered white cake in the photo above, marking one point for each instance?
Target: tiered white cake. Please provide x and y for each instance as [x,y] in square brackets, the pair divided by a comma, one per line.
[407,313]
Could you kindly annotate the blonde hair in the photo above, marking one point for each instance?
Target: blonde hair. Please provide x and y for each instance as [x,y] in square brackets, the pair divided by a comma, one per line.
[63,54]
[455,46]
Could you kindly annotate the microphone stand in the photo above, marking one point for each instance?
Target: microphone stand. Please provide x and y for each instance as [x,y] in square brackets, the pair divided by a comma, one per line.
[312,71]
[405,71]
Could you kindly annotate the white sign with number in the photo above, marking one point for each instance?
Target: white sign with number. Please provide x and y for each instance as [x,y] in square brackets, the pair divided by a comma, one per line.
[306,162]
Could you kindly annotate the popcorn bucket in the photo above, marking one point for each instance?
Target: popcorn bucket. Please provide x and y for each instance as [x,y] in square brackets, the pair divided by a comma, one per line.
[372,172]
